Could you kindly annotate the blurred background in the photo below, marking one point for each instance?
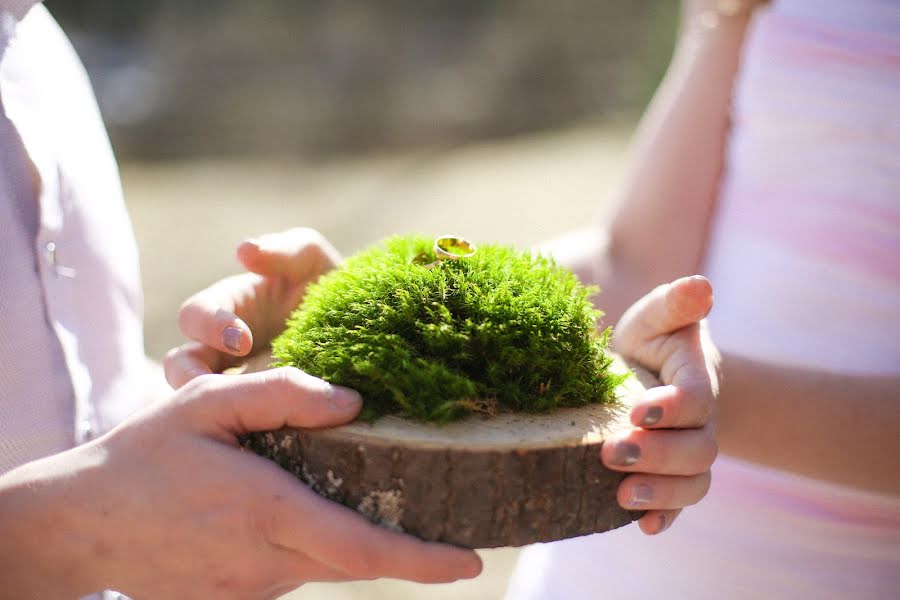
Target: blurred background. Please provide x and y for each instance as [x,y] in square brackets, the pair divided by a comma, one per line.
[500,120]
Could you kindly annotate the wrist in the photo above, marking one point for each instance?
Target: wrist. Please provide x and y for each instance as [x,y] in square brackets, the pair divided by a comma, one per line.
[47,543]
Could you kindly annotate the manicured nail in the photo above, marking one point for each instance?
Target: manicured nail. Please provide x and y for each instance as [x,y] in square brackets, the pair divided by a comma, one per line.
[663,523]
[231,338]
[345,398]
[625,454]
[652,416]
[641,494]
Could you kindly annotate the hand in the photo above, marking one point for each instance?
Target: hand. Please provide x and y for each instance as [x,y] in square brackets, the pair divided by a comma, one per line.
[168,506]
[240,315]
[673,445]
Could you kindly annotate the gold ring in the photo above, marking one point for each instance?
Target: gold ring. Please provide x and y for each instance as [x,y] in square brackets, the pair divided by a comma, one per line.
[452,247]
[446,247]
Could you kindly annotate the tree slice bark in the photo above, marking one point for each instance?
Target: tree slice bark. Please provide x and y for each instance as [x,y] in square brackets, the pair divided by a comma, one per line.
[483,482]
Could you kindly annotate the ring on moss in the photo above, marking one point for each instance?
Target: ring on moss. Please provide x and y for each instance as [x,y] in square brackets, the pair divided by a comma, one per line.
[452,247]
[447,247]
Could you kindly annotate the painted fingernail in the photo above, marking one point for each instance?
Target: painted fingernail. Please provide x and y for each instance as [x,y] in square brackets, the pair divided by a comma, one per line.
[652,416]
[663,523]
[625,454]
[345,398]
[231,338]
[641,494]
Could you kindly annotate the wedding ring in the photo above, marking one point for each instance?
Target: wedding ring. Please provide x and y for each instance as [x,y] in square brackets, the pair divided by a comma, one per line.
[447,247]
[451,247]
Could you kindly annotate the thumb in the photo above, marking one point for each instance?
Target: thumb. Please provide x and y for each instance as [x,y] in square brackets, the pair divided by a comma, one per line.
[664,310]
[300,254]
[233,405]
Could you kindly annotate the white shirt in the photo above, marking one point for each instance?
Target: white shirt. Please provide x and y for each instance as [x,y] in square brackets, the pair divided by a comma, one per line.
[71,346]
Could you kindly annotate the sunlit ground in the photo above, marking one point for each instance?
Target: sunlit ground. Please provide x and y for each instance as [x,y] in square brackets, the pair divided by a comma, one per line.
[189,217]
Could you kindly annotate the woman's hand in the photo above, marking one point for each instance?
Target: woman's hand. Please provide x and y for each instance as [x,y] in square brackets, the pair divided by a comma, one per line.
[673,445]
[240,315]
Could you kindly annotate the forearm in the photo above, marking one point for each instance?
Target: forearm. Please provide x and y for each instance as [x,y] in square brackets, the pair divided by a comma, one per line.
[838,428]
[44,541]
[667,195]
[658,230]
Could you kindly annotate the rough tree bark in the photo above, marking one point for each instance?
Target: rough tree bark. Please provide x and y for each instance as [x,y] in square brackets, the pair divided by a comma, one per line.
[508,480]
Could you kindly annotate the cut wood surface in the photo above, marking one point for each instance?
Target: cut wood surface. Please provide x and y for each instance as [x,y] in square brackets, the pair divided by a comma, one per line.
[482,482]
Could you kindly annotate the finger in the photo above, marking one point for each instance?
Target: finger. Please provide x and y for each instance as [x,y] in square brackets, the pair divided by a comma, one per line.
[674,407]
[667,308]
[656,521]
[234,405]
[663,452]
[300,254]
[681,359]
[209,316]
[345,540]
[291,569]
[192,360]
[646,492]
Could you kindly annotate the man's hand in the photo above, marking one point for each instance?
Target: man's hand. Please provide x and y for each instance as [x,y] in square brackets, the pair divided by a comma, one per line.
[240,315]
[168,506]
[673,445]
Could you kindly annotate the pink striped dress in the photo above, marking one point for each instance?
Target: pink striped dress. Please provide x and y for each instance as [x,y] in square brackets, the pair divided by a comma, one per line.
[805,258]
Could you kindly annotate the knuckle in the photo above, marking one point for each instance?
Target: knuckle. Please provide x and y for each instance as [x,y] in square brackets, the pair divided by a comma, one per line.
[307,239]
[172,353]
[699,487]
[185,310]
[710,450]
[199,386]
[283,379]
[661,290]
[705,408]
[172,357]
[693,404]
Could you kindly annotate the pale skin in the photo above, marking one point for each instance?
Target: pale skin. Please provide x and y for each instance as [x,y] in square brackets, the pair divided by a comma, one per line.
[663,331]
[145,509]
[167,506]
[836,428]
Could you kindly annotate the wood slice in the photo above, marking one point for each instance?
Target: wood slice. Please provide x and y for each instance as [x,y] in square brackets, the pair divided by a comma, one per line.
[482,482]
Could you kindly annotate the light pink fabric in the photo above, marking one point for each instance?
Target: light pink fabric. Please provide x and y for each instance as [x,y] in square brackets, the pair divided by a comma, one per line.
[71,348]
[805,259]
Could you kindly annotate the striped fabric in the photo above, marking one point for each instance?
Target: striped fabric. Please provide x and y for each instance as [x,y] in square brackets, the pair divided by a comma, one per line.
[810,208]
[805,259]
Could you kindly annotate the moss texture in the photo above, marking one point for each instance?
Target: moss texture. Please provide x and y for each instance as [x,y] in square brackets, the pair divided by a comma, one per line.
[501,330]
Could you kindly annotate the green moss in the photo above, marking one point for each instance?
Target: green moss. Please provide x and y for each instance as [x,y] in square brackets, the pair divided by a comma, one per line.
[502,329]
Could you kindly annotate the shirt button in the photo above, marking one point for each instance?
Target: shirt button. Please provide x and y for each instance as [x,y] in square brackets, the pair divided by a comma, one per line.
[59,270]
[50,253]
[85,430]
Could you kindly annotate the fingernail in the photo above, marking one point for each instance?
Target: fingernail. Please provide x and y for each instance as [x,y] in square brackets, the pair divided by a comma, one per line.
[625,454]
[253,242]
[345,398]
[231,338]
[663,523]
[652,416]
[641,494]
